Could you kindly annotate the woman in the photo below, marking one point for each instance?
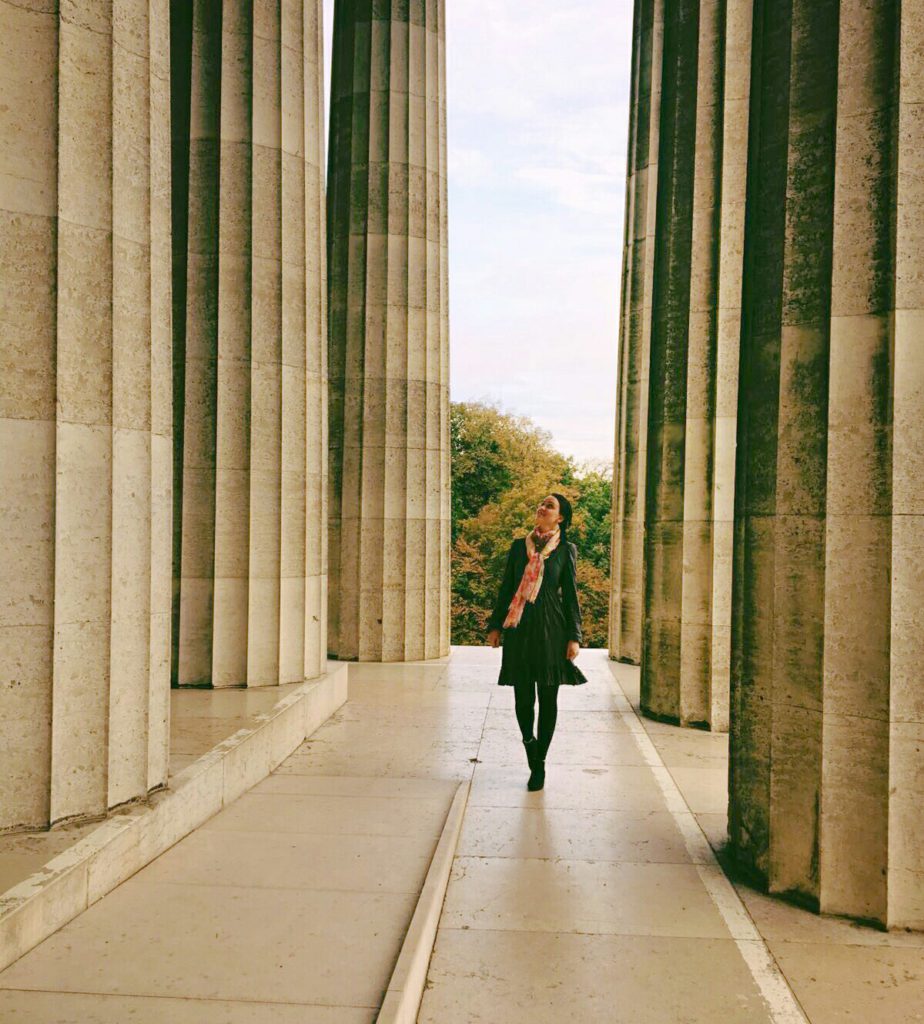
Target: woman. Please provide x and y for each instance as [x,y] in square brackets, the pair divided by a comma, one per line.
[537,609]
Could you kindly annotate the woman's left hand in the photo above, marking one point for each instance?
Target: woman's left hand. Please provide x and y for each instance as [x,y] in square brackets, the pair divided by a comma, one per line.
[573,648]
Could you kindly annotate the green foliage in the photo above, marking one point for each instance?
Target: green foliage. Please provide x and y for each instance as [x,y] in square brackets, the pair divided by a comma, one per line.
[480,472]
[502,466]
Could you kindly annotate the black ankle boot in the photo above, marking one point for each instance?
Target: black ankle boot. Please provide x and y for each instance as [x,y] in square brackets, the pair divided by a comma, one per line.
[531,746]
[536,764]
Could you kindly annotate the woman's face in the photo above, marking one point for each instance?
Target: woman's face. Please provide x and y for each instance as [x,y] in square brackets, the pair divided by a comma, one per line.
[548,514]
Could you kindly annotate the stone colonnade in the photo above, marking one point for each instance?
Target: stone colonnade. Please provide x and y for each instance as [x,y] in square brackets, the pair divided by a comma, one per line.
[389,339]
[250,598]
[806,269]
[164,376]
[675,436]
[86,408]
[94,422]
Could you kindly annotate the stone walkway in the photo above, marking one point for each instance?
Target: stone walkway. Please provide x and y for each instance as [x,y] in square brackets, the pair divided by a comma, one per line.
[586,901]
[289,906]
[199,719]
[595,900]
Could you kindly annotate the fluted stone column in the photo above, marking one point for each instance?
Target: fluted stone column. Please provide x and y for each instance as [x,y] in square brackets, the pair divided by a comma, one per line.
[85,416]
[230,377]
[389,344]
[777,654]
[736,87]
[617,518]
[827,758]
[905,900]
[664,551]
[700,702]
[250,542]
[194,502]
[627,568]
[678,375]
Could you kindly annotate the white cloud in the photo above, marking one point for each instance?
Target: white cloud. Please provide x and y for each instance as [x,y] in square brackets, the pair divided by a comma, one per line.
[470,167]
[588,191]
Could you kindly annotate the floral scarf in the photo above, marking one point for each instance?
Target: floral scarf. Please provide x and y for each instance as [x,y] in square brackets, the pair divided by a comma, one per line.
[538,546]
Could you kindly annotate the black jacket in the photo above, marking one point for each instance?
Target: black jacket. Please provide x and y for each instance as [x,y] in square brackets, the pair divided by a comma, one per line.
[559,574]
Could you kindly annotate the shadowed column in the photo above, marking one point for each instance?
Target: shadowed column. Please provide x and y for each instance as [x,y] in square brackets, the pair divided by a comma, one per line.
[625,630]
[858,534]
[698,703]
[778,633]
[251,534]
[617,518]
[263,632]
[85,477]
[195,500]
[316,469]
[233,350]
[675,446]
[735,95]
[906,697]
[664,492]
[389,445]
[826,755]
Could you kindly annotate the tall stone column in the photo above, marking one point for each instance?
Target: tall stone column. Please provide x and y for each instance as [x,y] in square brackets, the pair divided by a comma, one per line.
[777,645]
[680,190]
[827,714]
[736,88]
[627,568]
[230,375]
[389,341]
[85,415]
[678,375]
[701,679]
[250,541]
[197,351]
[905,899]
[617,518]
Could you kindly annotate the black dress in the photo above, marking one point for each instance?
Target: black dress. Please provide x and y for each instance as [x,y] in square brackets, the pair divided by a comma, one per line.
[536,649]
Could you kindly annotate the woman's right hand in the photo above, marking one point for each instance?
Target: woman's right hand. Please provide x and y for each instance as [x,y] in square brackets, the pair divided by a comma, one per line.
[494,637]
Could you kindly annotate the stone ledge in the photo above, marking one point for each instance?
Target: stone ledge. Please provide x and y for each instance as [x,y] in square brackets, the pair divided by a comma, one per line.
[123,844]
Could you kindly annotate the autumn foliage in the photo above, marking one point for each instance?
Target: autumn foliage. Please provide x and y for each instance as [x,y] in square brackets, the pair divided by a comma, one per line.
[502,466]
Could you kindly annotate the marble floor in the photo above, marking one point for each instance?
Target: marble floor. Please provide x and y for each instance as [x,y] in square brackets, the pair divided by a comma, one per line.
[199,719]
[585,901]
[290,905]
[598,899]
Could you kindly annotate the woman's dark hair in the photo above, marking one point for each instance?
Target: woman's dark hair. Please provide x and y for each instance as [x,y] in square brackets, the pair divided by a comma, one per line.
[564,507]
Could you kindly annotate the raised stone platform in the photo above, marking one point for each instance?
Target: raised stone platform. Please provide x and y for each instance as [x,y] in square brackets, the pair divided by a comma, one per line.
[228,741]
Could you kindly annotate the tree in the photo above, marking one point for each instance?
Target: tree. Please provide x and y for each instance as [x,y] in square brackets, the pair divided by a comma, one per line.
[480,472]
[502,465]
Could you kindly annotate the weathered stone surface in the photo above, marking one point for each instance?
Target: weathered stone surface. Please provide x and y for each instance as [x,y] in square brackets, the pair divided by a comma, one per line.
[389,337]
[98,417]
[663,550]
[250,534]
[787,239]
[86,426]
[822,772]
[627,570]
[675,452]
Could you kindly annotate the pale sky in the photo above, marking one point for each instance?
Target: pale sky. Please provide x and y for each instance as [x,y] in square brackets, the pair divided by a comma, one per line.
[538,120]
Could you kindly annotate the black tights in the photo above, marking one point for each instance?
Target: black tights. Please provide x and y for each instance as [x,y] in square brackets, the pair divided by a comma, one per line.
[525,694]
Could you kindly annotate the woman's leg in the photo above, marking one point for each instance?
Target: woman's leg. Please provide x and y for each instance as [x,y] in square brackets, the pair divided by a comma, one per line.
[548,716]
[525,697]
